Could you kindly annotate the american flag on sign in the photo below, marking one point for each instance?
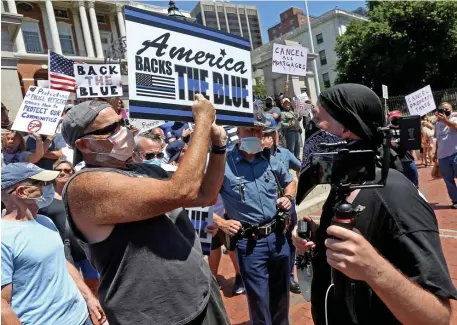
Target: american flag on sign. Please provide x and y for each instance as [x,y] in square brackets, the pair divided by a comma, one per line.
[61,74]
[155,86]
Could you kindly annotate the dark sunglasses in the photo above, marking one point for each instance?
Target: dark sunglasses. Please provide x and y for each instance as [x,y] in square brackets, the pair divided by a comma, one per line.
[65,170]
[110,129]
[151,155]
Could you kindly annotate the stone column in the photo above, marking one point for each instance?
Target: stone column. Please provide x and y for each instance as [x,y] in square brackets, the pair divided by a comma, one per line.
[217,16]
[86,31]
[239,22]
[53,27]
[79,35]
[47,31]
[120,20]
[95,31]
[249,28]
[112,22]
[20,44]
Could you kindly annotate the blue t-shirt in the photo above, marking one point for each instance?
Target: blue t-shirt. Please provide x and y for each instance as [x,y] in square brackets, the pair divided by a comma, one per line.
[10,158]
[57,144]
[166,128]
[446,139]
[33,260]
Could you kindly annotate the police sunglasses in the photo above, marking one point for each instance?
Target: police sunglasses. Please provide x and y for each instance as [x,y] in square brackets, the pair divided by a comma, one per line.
[150,155]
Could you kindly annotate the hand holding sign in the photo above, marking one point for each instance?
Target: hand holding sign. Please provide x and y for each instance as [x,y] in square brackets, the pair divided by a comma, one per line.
[203,110]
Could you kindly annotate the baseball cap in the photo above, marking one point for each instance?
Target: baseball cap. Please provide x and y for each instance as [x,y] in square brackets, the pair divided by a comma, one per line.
[78,118]
[271,125]
[270,98]
[15,173]
[174,150]
[394,114]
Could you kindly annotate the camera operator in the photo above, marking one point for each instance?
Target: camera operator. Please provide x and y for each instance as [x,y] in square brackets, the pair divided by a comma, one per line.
[250,196]
[394,255]
[406,156]
[130,221]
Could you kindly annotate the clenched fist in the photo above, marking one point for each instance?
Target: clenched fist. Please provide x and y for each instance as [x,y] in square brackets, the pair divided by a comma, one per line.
[203,110]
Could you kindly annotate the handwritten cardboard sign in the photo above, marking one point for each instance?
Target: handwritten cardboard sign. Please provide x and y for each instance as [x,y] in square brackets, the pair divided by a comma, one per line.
[40,111]
[172,60]
[98,80]
[421,101]
[289,59]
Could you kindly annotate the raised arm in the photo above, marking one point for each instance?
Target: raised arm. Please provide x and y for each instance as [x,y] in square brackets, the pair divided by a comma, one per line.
[35,157]
[9,317]
[214,175]
[108,198]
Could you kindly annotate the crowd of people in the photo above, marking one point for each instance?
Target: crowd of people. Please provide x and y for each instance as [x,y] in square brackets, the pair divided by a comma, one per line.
[95,229]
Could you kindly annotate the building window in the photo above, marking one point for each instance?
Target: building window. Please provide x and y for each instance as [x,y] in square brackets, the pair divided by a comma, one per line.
[106,39]
[323,57]
[326,79]
[61,13]
[273,31]
[101,19]
[66,38]
[208,8]
[32,37]
[319,38]
[292,21]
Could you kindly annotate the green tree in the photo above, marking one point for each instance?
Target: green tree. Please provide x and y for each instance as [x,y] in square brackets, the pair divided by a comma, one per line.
[405,45]
[259,88]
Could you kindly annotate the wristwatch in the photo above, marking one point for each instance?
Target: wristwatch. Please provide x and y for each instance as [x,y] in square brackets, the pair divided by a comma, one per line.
[218,150]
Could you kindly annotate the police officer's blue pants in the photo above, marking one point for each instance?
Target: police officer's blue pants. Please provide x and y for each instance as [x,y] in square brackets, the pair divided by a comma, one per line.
[293,214]
[264,266]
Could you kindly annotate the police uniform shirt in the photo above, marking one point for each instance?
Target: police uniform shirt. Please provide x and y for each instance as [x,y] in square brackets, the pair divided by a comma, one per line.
[249,190]
[286,158]
[406,235]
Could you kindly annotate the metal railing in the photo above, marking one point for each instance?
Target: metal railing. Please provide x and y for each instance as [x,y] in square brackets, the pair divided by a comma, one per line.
[445,95]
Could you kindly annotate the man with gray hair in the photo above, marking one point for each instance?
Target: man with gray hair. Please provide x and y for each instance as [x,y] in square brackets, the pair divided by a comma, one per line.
[129,218]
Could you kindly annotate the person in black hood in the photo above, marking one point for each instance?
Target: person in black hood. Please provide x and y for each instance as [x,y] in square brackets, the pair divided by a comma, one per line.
[388,255]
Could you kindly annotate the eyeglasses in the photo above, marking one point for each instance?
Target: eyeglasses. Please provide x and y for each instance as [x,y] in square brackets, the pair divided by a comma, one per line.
[151,155]
[110,129]
[33,183]
[65,170]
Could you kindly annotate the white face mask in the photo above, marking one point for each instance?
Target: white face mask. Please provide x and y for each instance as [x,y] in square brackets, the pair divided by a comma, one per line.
[251,145]
[123,145]
[46,197]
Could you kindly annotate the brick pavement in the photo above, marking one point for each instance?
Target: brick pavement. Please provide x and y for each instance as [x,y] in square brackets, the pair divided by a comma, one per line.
[434,191]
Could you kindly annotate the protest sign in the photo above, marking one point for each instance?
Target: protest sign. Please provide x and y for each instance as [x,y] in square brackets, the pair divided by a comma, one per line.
[144,125]
[289,59]
[302,108]
[421,102]
[40,111]
[200,218]
[172,60]
[98,80]
[385,93]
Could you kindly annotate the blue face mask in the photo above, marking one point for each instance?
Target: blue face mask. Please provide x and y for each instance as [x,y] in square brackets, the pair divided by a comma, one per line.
[251,145]
[46,198]
[155,161]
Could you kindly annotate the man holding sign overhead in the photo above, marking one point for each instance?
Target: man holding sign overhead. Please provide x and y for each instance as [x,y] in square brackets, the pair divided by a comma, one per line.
[130,221]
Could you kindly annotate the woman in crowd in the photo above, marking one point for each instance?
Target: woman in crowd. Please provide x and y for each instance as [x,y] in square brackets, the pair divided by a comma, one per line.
[56,212]
[290,126]
[13,148]
[427,142]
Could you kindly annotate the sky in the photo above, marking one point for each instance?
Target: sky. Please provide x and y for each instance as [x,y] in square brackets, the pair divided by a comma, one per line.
[269,10]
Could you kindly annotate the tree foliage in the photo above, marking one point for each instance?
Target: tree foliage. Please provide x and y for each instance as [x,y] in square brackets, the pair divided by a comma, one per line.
[259,88]
[405,45]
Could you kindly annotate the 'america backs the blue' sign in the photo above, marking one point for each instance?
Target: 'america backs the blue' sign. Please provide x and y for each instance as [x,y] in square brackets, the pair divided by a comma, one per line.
[171,60]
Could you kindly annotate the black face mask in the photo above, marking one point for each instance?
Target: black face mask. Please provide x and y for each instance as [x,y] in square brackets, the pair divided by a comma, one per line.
[447,113]
[268,105]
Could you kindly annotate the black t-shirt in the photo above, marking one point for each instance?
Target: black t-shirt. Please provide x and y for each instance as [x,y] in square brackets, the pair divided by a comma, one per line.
[403,228]
[56,212]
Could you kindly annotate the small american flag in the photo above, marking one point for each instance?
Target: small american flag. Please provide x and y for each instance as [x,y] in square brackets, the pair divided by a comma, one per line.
[61,74]
[155,86]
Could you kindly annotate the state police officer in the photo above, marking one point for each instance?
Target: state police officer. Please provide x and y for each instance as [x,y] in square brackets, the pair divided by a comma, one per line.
[284,157]
[250,195]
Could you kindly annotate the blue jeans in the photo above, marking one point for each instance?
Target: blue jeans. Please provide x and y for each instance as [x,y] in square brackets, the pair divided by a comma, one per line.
[448,168]
[264,266]
[293,142]
[410,171]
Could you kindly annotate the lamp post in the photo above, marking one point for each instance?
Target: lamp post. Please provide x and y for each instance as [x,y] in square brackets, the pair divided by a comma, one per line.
[174,12]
